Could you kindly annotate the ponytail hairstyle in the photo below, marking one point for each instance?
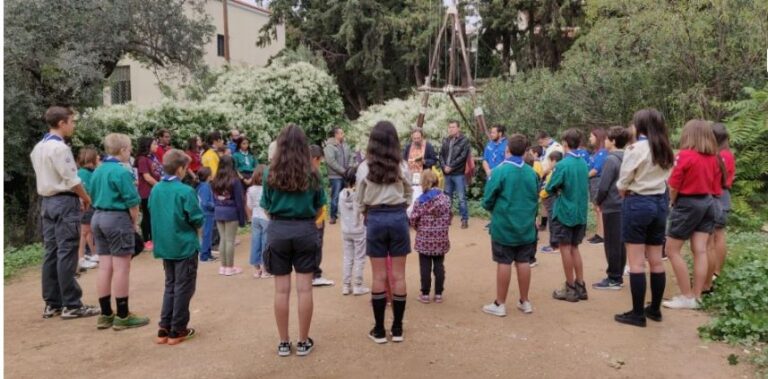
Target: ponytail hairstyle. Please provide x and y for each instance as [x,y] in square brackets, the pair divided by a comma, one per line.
[650,123]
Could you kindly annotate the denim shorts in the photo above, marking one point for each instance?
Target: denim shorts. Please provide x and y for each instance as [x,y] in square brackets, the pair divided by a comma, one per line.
[692,214]
[644,219]
[387,232]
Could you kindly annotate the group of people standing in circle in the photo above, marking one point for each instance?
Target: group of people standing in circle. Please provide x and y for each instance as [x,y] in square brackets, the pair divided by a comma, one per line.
[632,178]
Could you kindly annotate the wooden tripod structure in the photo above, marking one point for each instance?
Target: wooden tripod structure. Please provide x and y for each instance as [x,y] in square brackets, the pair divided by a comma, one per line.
[452,88]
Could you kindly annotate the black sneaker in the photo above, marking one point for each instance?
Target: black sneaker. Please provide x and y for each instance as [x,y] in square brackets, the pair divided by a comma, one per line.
[304,348]
[284,348]
[630,318]
[397,334]
[50,311]
[82,311]
[378,336]
[654,315]
[596,240]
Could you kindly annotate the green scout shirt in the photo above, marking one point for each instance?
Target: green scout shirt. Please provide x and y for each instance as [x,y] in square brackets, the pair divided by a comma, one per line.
[176,216]
[511,195]
[244,162]
[292,204]
[571,178]
[85,176]
[112,187]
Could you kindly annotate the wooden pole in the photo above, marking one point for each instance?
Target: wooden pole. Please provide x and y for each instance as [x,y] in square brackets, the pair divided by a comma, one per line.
[428,80]
[226,31]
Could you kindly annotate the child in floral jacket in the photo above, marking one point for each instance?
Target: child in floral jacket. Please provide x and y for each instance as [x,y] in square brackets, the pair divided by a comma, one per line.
[431,218]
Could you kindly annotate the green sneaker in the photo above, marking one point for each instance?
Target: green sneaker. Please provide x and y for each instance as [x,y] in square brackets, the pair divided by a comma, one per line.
[130,321]
[105,322]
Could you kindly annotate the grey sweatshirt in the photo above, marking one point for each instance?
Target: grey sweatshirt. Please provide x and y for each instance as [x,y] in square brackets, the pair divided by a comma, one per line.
[607,193]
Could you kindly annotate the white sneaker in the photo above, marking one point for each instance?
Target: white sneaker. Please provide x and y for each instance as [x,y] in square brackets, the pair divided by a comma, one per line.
[681,302]
[626,270]
[87,264]
[534,264]
[346,290]
[496,310]
[525,306]
[360,290]
[92,258]
[318,282]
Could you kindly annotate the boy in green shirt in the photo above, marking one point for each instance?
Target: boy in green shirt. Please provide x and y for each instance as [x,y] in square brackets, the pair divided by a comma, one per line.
[570,179]
[511,195]
[177,221]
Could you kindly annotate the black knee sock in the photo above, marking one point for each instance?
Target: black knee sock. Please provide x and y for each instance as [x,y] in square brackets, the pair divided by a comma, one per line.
[122,306]
[658,282]
[106,305]
[637,285]
[398,308]
[379,304]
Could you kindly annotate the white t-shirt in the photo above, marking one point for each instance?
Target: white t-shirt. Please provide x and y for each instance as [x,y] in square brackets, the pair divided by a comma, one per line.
[253,199]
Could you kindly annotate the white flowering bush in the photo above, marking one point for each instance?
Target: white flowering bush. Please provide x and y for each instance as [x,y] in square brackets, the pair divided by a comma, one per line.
[404,114]
[256,101]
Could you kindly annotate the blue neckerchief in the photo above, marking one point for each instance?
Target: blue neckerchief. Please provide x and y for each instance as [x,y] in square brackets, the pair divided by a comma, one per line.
[171,178]
[516,160]
[111,159]
[52,137]
[429,195]
[641,138]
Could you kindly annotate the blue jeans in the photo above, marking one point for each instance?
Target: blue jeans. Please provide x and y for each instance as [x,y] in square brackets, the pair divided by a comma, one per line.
[457,183]
[207,241]
[258,240]
[337,184]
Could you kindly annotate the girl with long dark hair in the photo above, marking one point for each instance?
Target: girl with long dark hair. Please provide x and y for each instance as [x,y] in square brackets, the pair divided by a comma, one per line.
[292,197]
[149,170]
[229,212]
[384,192]
[643,185]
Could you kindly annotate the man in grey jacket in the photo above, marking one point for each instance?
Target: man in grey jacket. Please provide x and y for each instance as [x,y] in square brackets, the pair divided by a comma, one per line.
[338,158]
[609,201]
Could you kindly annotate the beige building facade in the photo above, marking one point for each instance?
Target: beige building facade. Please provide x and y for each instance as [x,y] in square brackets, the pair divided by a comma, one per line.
[135,83]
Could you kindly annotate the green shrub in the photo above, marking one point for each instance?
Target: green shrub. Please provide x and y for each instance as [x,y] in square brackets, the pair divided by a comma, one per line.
[17,259]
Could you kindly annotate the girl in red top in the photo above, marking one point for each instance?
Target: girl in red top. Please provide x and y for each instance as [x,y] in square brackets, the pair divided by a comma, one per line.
[194,144]
[717,247]
[694,183]
[150,170]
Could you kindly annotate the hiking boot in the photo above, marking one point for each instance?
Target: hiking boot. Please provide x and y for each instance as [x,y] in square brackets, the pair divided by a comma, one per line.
[130,321]
[50,311]
[378,336]
[567,293]
[495,309]
[105,322]
[162,336]
[581,289]
[284,348]
[178,337]
[82,311]
[652,314]
[304,348]
[397,333]
[630,318]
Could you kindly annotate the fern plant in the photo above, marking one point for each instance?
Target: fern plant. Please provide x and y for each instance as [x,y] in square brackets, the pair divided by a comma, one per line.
[748,129]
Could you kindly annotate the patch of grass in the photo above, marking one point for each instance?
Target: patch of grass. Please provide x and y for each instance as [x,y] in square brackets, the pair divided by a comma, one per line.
[22,257]
[739,305]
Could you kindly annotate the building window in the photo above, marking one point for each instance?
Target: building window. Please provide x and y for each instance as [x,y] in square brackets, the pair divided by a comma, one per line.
[220,45]
[121,85]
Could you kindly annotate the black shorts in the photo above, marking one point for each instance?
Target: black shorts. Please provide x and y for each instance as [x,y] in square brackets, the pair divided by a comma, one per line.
[567,235]
[692,214]
[387,233]
[503,254]
[87,216]
[291,245]
[643,219]
[113,233]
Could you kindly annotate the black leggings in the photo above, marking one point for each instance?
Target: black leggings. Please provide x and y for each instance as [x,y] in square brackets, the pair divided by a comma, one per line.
[146,222]
[429,264]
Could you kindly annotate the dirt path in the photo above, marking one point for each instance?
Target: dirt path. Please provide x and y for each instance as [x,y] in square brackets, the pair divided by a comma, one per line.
[454,339]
